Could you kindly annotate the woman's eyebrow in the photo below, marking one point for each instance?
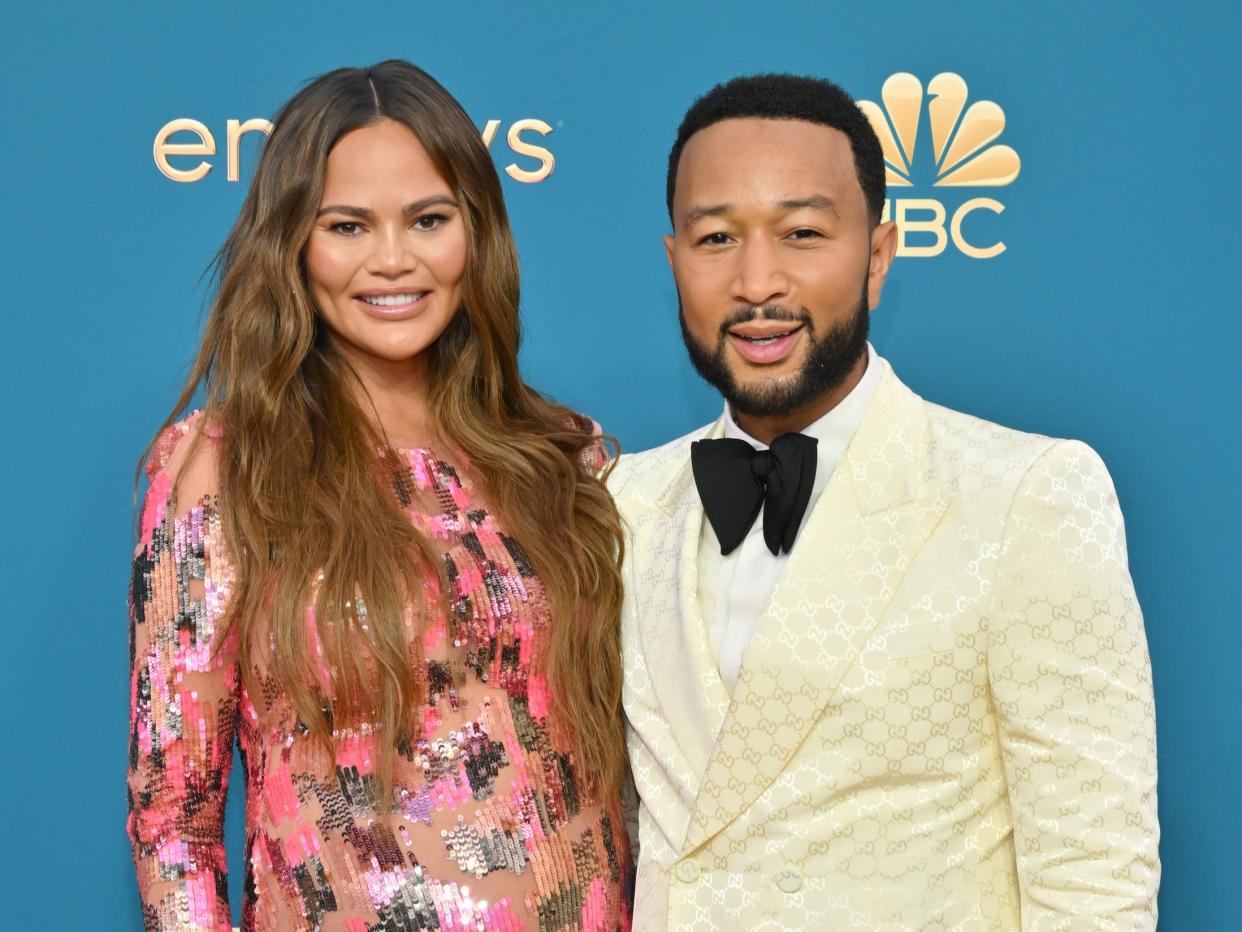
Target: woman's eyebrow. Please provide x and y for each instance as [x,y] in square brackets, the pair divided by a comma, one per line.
[364,213]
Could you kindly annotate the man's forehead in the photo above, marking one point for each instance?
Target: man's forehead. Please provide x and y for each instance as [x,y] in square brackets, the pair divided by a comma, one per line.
[773,159]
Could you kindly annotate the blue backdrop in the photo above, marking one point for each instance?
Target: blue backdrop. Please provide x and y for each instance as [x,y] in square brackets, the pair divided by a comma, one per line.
[1110,316]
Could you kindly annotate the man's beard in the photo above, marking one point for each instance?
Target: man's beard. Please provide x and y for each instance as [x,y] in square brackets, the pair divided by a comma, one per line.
[829,360]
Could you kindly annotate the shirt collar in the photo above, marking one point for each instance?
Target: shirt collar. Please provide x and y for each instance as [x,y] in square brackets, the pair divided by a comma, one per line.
[834,430]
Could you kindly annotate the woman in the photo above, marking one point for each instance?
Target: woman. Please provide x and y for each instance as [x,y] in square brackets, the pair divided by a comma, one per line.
[378,558]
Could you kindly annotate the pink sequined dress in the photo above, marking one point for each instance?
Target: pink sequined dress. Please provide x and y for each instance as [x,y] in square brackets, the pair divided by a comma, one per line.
[492,830]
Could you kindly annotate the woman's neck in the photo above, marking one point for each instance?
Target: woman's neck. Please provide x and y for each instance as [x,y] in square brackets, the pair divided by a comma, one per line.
[394,396]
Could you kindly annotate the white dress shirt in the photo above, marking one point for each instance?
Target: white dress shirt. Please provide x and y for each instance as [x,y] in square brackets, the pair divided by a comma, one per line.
[734,589]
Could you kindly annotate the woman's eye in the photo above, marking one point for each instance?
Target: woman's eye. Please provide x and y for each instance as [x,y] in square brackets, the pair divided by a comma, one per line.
[430,221]
[346,228]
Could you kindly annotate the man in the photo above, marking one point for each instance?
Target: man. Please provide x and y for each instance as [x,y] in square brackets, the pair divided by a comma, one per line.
[884,664]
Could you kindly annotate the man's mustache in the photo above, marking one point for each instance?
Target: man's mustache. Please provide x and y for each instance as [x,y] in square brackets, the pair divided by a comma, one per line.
[750,312]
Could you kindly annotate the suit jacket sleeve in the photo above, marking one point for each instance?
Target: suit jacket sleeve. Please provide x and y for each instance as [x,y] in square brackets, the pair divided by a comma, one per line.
[1071,682]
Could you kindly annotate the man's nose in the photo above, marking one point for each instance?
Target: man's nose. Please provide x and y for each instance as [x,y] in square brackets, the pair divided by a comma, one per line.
[759,277]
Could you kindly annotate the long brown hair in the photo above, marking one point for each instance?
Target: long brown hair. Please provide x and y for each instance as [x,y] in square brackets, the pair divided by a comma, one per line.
[305,511]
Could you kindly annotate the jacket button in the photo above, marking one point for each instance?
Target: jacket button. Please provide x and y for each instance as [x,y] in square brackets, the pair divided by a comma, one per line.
[688,871]
[789,880]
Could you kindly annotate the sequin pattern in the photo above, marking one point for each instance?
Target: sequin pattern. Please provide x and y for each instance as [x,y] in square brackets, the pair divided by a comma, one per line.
[490,830]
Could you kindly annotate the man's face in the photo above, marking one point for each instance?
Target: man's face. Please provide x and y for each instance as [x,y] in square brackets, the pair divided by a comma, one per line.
[776,264]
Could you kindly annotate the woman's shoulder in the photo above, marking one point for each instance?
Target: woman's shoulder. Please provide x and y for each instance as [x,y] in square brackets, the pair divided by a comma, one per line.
[180,440]
[184,455]
[181,472]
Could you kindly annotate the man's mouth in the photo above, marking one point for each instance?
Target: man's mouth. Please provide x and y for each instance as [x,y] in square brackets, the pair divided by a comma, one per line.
[763,332]
[764,342]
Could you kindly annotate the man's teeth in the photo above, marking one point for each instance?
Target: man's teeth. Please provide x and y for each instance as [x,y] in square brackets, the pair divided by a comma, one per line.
[764,341]
[393,300]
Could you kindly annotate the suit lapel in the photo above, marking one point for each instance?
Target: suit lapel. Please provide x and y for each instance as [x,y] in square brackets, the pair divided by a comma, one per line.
[865,531]
[683,674]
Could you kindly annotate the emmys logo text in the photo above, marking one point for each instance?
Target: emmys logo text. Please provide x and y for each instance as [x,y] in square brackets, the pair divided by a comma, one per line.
[191,143]
[964,157]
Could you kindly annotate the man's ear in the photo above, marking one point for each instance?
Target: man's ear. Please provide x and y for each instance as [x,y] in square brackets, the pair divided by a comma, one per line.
[668,248]
[883,249]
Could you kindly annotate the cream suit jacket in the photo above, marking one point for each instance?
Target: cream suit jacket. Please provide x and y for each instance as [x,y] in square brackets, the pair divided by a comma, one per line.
[944,720]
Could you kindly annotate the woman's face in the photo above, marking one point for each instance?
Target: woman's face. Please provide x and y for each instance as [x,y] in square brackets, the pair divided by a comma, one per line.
[386,257]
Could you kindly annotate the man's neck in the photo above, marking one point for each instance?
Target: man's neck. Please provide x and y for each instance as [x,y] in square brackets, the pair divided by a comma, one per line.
[767,429]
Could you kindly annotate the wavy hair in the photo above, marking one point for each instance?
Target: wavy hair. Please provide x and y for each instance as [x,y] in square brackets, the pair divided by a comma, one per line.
[305,475]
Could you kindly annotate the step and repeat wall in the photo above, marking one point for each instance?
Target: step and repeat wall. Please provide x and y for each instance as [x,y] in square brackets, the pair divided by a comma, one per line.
[1063,175]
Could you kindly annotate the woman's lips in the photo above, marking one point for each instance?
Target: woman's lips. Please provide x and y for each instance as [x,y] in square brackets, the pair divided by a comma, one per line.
[393,306]
[767,350]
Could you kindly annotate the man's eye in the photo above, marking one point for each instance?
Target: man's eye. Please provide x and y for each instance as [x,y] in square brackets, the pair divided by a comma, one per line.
[430,221]
[714,239]
[805,234]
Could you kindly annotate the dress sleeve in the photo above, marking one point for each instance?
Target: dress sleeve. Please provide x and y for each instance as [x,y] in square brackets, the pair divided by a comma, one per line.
[183,698]
[595,456]
[1071,681]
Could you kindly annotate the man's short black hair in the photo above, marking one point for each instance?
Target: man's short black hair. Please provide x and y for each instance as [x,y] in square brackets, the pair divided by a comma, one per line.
[788,97]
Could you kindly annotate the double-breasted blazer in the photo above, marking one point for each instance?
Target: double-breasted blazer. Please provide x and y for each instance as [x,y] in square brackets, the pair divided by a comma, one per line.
[944,720]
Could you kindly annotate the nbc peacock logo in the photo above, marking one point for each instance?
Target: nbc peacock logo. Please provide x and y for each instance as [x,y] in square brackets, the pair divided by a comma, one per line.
[963,153]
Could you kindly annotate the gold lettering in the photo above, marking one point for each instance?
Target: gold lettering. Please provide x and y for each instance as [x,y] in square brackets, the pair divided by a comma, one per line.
[520,146]
[162,149]
[237,130]
[905,226]
[955,228]
[489,132]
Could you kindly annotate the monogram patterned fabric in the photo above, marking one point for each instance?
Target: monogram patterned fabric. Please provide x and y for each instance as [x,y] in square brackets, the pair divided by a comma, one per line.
[491,830]
[944,721]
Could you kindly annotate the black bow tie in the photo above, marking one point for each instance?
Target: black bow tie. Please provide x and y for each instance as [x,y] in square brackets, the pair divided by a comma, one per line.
[735,479]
